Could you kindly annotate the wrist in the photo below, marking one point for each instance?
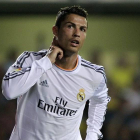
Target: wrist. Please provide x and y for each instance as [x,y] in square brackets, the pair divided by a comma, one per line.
[48,54]
[52,61]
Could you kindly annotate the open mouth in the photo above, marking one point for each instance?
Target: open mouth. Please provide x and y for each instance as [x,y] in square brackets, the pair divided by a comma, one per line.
[75,41]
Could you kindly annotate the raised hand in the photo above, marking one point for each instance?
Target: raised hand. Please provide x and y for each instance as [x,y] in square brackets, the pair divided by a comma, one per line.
[55,51]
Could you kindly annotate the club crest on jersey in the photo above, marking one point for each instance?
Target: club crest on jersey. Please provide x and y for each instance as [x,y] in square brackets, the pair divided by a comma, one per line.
[81,95]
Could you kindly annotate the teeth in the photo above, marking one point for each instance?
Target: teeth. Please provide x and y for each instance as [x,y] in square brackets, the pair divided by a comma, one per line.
[76,42]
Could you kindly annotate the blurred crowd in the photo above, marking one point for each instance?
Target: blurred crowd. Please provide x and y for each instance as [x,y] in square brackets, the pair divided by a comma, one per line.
[122,120]
[7,108]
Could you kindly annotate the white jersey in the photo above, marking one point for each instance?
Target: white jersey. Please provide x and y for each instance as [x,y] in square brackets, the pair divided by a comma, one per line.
[51,100]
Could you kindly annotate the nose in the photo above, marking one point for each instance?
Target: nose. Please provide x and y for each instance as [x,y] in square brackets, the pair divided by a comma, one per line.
[76,33]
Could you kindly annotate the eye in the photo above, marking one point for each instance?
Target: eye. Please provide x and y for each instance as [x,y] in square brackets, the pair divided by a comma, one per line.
[70,26]
[83,29]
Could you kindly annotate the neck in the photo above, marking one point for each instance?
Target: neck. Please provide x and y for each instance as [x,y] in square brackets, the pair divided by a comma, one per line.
[67,62]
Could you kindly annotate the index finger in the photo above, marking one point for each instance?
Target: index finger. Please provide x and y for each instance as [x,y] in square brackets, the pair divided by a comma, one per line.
[54,42]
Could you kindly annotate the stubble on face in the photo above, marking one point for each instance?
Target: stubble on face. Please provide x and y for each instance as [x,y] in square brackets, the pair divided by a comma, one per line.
[72,34]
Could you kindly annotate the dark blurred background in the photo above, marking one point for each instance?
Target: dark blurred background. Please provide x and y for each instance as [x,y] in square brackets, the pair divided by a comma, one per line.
[113,40]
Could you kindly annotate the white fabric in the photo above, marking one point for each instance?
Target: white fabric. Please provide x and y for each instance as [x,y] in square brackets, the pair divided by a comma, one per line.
[51,100]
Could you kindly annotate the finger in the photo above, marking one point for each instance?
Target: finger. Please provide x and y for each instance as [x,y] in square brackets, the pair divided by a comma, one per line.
[51,49]
[60,55]
[54,42]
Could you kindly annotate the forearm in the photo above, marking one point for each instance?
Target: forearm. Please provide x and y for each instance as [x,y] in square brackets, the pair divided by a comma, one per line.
[96,112]
[95,121]
[92,136]
[16,83]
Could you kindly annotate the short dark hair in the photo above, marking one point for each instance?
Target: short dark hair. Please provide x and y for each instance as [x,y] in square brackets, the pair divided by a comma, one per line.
[69,10]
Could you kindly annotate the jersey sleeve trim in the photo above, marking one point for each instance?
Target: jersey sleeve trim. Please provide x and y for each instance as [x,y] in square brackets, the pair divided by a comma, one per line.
[97,68]
[21,59]
[15,74]
[19,64]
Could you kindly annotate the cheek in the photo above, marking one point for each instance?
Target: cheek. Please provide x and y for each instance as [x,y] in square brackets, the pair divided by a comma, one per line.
[83,38]
[62,39]
[64,34]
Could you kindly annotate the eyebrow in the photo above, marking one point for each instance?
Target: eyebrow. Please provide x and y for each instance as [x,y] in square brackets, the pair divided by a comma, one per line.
[75,24]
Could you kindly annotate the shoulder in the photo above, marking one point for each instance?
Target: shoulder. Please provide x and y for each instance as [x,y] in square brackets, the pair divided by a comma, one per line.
[27,57]
[93,68]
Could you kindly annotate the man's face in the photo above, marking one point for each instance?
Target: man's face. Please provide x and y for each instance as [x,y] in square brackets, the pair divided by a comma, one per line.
[72,33]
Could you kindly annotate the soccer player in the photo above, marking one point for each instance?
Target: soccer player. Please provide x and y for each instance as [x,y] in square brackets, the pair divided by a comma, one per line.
[53,85]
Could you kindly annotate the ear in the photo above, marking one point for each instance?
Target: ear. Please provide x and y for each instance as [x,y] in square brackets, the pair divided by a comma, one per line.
[55,31]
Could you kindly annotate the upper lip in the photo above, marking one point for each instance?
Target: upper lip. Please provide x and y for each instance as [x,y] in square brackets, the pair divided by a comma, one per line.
[76,41]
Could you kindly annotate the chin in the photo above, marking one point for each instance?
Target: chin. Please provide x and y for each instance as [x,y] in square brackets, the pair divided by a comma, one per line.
[71,51]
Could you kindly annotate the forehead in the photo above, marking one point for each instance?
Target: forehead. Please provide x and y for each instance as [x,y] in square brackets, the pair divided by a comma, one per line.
[76,19]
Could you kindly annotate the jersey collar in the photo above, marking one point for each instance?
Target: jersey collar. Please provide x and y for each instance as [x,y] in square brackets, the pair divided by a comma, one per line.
[72,71]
